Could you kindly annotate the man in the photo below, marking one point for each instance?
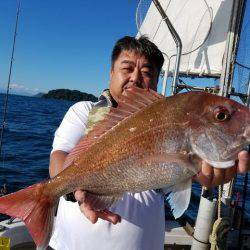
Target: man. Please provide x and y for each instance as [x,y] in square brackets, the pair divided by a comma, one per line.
[134,62]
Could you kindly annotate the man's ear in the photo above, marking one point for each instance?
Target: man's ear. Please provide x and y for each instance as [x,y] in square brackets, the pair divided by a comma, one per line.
[111,72]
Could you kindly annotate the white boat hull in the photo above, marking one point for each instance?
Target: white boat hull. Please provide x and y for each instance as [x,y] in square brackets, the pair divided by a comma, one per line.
[21,239]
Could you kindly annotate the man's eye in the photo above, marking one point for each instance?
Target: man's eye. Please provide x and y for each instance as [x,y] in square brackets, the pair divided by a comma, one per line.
[127,69]
[147,73]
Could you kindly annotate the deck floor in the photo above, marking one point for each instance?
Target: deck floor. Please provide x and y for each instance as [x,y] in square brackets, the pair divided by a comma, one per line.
[176,247]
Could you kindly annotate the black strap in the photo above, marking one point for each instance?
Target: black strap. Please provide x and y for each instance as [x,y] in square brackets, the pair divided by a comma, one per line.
[70,197]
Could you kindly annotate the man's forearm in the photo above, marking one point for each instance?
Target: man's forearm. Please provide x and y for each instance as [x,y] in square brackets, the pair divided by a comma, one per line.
[57,159]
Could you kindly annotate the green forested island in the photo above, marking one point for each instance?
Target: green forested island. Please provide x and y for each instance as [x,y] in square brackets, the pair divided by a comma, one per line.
[70,95]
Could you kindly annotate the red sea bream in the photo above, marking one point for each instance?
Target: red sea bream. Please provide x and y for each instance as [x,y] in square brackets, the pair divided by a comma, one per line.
[147,142]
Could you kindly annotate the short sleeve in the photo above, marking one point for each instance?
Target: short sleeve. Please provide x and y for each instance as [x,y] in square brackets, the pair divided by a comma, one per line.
[72,127]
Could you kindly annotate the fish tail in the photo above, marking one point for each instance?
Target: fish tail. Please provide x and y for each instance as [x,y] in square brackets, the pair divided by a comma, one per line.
[35,206]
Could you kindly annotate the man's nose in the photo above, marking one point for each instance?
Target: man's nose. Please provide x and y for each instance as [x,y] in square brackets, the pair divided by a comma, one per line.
[136,78]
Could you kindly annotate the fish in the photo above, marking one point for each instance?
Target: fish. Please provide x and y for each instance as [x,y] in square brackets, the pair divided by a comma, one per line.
[148,142]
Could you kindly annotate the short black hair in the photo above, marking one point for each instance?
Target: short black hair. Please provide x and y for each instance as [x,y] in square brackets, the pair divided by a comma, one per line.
[140,45]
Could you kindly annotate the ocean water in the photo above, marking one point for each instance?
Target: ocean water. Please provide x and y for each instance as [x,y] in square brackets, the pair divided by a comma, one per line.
[31,123]
[27,140]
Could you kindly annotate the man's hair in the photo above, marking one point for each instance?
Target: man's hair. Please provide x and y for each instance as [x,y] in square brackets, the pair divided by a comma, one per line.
[140,45]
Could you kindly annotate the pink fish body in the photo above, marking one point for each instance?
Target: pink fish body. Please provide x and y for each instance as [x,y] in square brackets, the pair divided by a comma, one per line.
[147,142]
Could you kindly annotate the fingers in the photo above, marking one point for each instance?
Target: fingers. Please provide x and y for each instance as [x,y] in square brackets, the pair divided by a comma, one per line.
[88,212]
[91,214]
[230,173]
[94,215]
[109,216]
[219,177]
[80,195]
[206,175]
[244,162]
[211,177]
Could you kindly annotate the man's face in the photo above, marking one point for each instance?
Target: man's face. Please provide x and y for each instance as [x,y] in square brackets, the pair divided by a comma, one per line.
[131,69]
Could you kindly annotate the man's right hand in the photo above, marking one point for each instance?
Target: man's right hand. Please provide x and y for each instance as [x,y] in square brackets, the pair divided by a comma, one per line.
[92,215]
[57,159]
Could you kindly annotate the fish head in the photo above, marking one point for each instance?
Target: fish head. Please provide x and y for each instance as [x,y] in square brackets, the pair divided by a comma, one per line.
[219,129]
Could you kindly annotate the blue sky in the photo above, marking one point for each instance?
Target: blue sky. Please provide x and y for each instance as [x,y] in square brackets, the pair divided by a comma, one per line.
[62,43]
[67,44]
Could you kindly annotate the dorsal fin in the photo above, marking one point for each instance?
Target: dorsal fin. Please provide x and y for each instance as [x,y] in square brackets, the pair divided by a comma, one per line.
[132,100]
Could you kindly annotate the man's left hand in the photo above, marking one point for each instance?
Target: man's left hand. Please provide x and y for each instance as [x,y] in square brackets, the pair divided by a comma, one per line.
[210,176]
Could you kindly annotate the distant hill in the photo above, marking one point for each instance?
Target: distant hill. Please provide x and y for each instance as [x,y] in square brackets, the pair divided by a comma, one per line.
[39,94]
[70,95]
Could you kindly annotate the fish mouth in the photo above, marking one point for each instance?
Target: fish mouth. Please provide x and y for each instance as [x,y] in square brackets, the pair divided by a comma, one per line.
[221,164]
[240,143]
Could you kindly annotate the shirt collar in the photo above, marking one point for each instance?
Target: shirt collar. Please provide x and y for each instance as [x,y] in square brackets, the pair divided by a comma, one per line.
[106,96]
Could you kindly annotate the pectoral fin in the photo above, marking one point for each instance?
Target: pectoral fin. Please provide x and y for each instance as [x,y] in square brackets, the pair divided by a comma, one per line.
[100,202]
[179,198]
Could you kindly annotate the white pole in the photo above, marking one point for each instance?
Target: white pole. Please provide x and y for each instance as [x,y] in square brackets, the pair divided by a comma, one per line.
[165,78]
[204,223]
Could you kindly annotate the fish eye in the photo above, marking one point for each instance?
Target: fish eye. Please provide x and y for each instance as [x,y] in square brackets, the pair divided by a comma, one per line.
[221,114]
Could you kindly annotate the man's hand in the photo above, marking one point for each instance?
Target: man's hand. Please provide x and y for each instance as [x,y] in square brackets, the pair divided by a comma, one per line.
[57,159]
[92,215]
[209,176]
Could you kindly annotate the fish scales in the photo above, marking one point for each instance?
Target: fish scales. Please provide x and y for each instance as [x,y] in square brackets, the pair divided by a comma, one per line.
[160,144]
[119,144]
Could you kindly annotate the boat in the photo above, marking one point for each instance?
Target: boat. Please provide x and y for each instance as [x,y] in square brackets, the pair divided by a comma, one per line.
[15,230]
[202,40]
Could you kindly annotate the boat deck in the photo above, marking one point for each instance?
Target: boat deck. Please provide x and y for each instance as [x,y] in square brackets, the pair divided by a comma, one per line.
[176,236]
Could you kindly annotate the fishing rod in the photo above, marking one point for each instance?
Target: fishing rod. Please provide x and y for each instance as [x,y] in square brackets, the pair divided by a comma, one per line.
[3,190]
[9,78]
[243,206]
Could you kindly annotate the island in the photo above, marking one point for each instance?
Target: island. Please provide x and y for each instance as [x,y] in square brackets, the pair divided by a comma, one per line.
[70,95]
[40,94]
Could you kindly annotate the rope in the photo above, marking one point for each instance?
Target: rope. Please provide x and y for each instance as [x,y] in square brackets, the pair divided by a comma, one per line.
[202,242]
[218,238]
[219,201]
[221,227]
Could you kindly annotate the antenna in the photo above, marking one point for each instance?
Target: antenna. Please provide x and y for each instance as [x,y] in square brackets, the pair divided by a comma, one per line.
[9,78]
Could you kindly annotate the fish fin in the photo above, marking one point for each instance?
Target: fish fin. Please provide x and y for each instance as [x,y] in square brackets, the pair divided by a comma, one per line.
[36,210]
[167,190]
[132,100]
[179,198]
[100,202]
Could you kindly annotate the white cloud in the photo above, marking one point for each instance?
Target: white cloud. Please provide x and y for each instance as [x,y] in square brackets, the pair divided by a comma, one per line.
[22,88]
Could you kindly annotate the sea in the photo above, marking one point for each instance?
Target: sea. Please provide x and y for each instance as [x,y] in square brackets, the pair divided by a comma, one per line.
[27,142]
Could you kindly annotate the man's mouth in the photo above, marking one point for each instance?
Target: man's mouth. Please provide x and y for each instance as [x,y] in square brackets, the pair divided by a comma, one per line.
[127,86]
